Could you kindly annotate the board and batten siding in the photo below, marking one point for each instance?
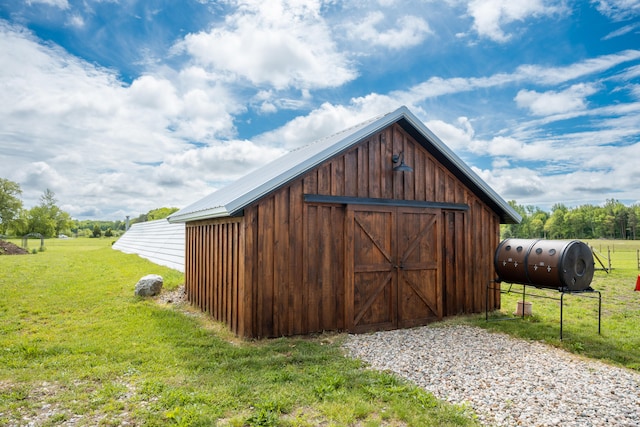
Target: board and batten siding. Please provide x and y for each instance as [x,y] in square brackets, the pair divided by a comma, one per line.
[214,277]
[279,269]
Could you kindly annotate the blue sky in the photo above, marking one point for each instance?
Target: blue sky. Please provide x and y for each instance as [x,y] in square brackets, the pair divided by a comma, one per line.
[122,106]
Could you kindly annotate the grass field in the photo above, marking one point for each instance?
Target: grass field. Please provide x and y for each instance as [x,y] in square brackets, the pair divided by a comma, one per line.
[77,348]
[619,341]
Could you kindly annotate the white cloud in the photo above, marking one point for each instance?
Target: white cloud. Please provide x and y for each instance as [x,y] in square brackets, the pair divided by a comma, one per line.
[500,163]
[280,43]
[521,184]
[434,87]
[408,31]
[490,16]
[42,175]
[76,21]
[77,129]
[169,136]
[630,73]
[458,137]
[155,93]
[542,189]
[622,31]
[517,144]
[323,121]
[556,75]
[222,162]
[61,4]
[618,10]
[552,102]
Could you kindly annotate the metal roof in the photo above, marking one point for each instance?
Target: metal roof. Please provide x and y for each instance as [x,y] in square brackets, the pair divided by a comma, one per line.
[236,196]
[158,241]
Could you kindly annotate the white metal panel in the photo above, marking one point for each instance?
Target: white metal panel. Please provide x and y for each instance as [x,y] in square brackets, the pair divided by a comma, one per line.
[158,241]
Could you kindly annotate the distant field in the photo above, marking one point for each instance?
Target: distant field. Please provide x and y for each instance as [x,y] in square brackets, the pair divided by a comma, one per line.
[623,253]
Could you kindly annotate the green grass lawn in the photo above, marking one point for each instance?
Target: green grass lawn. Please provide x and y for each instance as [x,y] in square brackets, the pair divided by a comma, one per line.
[76,347]
[619,341]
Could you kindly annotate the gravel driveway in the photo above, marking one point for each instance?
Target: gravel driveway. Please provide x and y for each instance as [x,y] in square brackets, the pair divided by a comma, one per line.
[507,381]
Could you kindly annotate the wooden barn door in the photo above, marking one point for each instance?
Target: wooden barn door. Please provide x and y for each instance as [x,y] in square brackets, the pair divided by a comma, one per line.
[392,275]
[419,284]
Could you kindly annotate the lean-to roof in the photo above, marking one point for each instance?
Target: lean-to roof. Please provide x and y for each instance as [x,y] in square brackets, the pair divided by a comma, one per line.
[158,241]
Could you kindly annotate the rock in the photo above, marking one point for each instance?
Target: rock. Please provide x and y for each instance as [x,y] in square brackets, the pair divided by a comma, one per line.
[148,286]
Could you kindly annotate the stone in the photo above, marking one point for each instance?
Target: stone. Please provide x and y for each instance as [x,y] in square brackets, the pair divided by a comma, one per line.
[149,285]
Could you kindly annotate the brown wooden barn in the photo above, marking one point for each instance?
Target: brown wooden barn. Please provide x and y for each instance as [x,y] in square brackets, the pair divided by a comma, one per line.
[338,236]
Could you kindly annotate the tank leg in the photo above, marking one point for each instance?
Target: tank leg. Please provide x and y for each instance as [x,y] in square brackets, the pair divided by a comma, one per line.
[561,313]
[599,310]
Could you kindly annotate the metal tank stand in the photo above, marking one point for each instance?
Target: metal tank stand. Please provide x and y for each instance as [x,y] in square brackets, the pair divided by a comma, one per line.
[587,293]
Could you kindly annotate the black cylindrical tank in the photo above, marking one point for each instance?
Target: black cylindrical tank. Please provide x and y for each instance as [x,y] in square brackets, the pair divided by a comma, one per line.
[566,265]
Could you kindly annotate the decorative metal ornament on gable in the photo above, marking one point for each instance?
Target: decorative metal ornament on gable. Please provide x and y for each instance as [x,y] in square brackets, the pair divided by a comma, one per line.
[564,265]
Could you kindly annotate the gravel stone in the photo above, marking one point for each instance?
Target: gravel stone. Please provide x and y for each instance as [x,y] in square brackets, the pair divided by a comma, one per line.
[507,381]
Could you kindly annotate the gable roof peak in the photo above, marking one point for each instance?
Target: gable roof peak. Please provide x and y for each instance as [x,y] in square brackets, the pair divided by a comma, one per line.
[231,199]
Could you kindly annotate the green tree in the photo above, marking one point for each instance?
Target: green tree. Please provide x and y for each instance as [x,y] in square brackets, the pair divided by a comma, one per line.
[573,223]
[40,221]
[20,226]
[634,219]
[97,232]
[47,218]
[531,226]
[10,203]
[160,213]
[537,222]
[555,227]
[617,212]
[508,231]
[141,218]
[590,221]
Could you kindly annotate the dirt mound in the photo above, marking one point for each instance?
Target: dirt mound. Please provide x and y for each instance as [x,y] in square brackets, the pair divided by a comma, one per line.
[8,248]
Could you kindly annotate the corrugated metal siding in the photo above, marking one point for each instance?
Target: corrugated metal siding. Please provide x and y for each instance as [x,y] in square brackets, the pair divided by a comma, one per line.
[158,241]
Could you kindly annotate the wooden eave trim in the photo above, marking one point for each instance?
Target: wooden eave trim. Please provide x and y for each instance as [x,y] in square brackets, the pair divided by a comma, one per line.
[343,200]
[226,220]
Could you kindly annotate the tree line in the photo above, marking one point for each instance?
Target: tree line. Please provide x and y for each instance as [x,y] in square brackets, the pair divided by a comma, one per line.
[613,220]
[49,220]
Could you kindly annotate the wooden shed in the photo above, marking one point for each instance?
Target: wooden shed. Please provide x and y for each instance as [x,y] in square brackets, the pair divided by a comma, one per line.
[337,236]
